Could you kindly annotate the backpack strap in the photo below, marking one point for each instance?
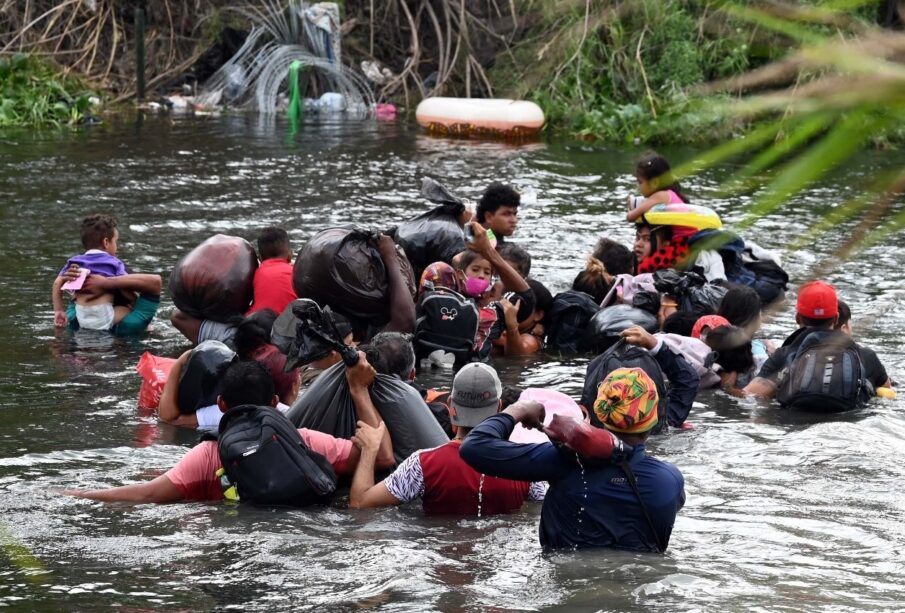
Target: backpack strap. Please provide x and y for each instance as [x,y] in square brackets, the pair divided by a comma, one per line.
[820,336]
[632,481]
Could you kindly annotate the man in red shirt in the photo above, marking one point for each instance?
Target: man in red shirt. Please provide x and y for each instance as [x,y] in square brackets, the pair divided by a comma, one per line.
[445,483]
[195,476]
[273,278]
[273,290]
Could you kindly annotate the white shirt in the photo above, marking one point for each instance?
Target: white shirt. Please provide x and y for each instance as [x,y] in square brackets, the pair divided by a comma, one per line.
[209,417]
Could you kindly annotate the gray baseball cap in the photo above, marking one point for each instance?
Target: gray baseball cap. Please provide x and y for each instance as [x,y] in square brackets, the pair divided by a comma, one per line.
[475,395]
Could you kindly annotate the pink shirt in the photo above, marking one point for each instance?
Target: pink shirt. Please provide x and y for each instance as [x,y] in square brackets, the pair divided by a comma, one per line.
[195,474]
[273,286]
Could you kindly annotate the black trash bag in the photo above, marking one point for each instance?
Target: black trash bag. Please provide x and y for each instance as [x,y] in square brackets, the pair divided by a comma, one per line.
[199,381]
[215,280]
[304,332]
[437,192]
[702,300]
[667,281]
[692,291]
[341,268]
[327,406]
[569,319]
[647,301]
[607,324]
[435,236]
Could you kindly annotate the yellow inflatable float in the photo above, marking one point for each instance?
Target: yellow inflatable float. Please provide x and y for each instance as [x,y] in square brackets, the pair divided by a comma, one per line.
[480,116]
[688,215]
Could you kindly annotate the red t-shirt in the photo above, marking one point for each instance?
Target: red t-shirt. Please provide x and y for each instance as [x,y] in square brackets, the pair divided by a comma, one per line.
[195,474]
[273,286]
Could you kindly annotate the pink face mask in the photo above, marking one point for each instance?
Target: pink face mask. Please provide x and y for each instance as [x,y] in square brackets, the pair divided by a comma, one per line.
[475,287]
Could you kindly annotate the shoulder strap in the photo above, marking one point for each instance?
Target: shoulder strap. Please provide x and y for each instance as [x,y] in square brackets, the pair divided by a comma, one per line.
[630,474]
[819,337]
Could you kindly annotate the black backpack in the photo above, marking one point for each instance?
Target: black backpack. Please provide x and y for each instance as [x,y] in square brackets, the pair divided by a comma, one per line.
[570,315]
[623,355]
[268,462]
[449,321]
[824,375]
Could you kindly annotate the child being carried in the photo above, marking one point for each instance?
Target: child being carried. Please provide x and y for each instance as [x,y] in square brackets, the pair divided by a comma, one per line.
[94,309]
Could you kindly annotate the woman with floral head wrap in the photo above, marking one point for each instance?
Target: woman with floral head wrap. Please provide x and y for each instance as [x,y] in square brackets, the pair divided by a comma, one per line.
[629,501]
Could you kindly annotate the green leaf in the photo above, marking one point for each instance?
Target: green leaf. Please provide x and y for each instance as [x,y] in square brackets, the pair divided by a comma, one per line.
[843,140]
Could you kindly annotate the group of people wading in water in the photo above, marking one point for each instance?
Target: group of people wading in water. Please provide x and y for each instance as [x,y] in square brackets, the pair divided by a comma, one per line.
[671,316]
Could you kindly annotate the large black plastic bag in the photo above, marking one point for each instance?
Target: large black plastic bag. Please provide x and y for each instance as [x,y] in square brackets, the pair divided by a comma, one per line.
[327,406]
[609,323]
[199,381]
[669,281]
[289,333]
[647,301]
[702,300]
[434,236]
[693,292]
[215,280]
[341,268]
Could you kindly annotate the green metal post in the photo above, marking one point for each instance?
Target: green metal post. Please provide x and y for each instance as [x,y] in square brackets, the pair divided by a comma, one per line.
[140,51]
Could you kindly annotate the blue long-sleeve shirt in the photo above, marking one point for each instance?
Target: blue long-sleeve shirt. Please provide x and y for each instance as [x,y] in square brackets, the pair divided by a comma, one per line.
[594,507]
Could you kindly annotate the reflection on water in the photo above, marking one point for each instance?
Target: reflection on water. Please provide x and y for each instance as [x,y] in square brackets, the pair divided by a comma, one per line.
[783,512]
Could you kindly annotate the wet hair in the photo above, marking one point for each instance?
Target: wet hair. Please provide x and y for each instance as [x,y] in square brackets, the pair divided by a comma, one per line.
[592,280]
[495,196]
[654,166]
[740,305]
[466,258]
[247,383]
[253,332]
[95,228]
[510,396]
[822,324]
[733,348]
[391,353]
[273,243]
[680,322]
[617,258]
[543,299]
[517,257]
[845,315]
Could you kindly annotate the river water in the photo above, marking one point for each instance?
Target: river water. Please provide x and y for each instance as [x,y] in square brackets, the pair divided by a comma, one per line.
[782,513]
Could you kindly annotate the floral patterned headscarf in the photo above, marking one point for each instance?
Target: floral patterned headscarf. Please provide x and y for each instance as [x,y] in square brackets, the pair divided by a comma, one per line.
[627,401]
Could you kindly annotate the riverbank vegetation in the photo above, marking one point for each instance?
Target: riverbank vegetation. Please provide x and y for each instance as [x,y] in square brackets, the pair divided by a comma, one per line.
[34,93]
[651,71]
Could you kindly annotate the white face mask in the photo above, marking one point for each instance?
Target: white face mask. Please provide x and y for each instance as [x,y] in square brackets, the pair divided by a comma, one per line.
[97,317]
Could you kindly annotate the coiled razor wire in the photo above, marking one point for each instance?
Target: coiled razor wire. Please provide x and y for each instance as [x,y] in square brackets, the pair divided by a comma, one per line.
[254,77]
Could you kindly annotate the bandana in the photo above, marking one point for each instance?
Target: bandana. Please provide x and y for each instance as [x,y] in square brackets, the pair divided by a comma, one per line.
[672,255]
[627,401]
[437,275]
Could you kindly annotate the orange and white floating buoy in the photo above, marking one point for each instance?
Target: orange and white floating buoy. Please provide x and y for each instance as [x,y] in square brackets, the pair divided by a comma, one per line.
[480,116]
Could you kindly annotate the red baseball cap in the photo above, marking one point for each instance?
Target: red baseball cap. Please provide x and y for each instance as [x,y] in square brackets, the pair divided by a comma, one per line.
[818,300]
[708,321]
